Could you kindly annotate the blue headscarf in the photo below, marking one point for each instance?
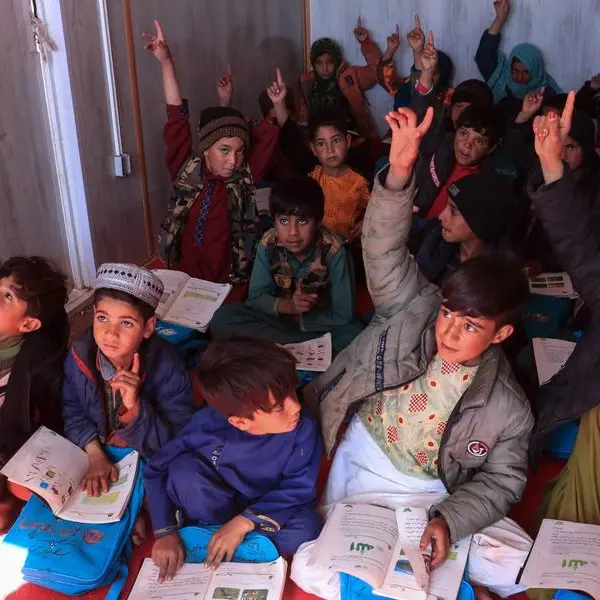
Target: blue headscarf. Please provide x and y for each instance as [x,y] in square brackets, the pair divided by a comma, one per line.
[533,60]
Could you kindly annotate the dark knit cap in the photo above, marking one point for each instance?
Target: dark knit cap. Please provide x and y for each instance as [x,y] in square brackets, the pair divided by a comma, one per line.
[487,201]
[323,45]
[473,91]
[445,69]
[217,122]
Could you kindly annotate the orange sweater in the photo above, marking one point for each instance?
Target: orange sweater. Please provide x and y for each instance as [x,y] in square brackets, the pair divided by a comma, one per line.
[346,199]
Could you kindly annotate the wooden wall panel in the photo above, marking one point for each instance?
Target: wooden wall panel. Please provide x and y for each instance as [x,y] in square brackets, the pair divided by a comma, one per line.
[254,36]
[114,203]
[565,31]
[30,216]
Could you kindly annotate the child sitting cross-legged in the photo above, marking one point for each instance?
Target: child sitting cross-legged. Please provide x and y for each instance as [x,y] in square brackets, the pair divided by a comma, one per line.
[439,420]
[124,385]
[302,283]
[248,461]
[34,332]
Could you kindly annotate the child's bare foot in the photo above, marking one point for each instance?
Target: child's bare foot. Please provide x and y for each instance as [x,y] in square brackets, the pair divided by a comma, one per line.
[482,593]
[139,530]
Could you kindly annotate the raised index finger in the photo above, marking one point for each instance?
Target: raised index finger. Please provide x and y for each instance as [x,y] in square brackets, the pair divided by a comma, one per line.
[567,115]
[417,22]
[359,23]
[278,77]
[430,38]
[159,30]
[135,368]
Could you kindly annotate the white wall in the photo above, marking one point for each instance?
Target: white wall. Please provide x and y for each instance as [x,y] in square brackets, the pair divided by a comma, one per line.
[565,30]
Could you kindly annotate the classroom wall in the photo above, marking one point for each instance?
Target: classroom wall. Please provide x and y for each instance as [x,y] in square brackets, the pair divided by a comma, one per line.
[30,214]
[566,31]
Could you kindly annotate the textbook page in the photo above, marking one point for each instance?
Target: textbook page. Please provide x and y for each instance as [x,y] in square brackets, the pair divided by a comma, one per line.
[558,285]
[357,539]
[174,282]
[312,355]
[197,303]
[49,465]
[109,506]
[550,356]
[242,581]
[565,555]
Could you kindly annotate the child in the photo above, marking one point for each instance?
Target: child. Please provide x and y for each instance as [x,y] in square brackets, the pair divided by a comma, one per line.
[573,392]
[248,461]
[475,222]
[512,78]
[346,192]
[440,420]
[302,283]
[335,86]
[447,157]
[212,227]
[124,385]
[34,332]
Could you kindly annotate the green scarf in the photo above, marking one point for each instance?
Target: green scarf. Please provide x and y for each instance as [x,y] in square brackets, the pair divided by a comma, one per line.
[8,354]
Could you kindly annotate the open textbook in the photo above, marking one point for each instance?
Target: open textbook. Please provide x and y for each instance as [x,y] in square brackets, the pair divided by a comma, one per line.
[565,556]
[550,356]
[552,284]
[230,581]
[381,546]
[187,301]
[312,355]
[53,468]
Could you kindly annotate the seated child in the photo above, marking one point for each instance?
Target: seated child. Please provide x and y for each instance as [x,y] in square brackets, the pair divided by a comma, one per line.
[440,420]
[335,86]
[212,224]
[475,222]
[34,332]
[448,156]
[248,461]
[124,385]
[573,392]
[511,78]
[302,283]
[346,191]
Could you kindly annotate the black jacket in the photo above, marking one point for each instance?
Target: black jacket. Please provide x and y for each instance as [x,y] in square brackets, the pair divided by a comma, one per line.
[33,394]
[575,389]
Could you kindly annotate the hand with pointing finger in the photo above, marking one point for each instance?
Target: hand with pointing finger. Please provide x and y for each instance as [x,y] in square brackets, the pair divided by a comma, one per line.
[299,303]
[360,33]
[531,105]
[127,383]
[277,91]
[393,41]
[430,57]
[437,535]
[157,44]
[416,37]
[225,87]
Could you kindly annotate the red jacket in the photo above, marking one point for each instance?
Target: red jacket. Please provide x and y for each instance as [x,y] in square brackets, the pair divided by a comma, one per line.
[353,82]
[206,250]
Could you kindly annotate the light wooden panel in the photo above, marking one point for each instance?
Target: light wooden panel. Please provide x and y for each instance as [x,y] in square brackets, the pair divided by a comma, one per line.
[114,203]
[30,216]
[565,31]
[254,36]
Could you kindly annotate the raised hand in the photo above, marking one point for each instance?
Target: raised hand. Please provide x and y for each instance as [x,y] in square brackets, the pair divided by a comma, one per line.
[277,91]
[406,140]
[225,87]
[502,8]
[416,37]
[551,133]
[157,44]
[595,82]
[531,105]
[430,58]
[393,41]
[360,33]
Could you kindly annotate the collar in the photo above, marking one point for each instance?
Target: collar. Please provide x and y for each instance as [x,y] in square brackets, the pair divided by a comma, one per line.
[106,368]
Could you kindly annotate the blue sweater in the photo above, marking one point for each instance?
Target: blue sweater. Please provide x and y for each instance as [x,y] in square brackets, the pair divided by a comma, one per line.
[274,475]
[166,398]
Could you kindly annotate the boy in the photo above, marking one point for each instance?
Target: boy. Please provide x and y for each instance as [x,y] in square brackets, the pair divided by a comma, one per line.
[476,221]
[302,283]
[447,157]
[212,225]
[441,421]
[248,461]
[346,192]
[124,385]
[34,332]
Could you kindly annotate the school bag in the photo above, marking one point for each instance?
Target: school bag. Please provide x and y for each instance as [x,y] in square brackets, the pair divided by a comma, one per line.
[74,558]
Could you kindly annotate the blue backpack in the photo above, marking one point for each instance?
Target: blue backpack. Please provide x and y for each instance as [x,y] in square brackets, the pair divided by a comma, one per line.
[74,558]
